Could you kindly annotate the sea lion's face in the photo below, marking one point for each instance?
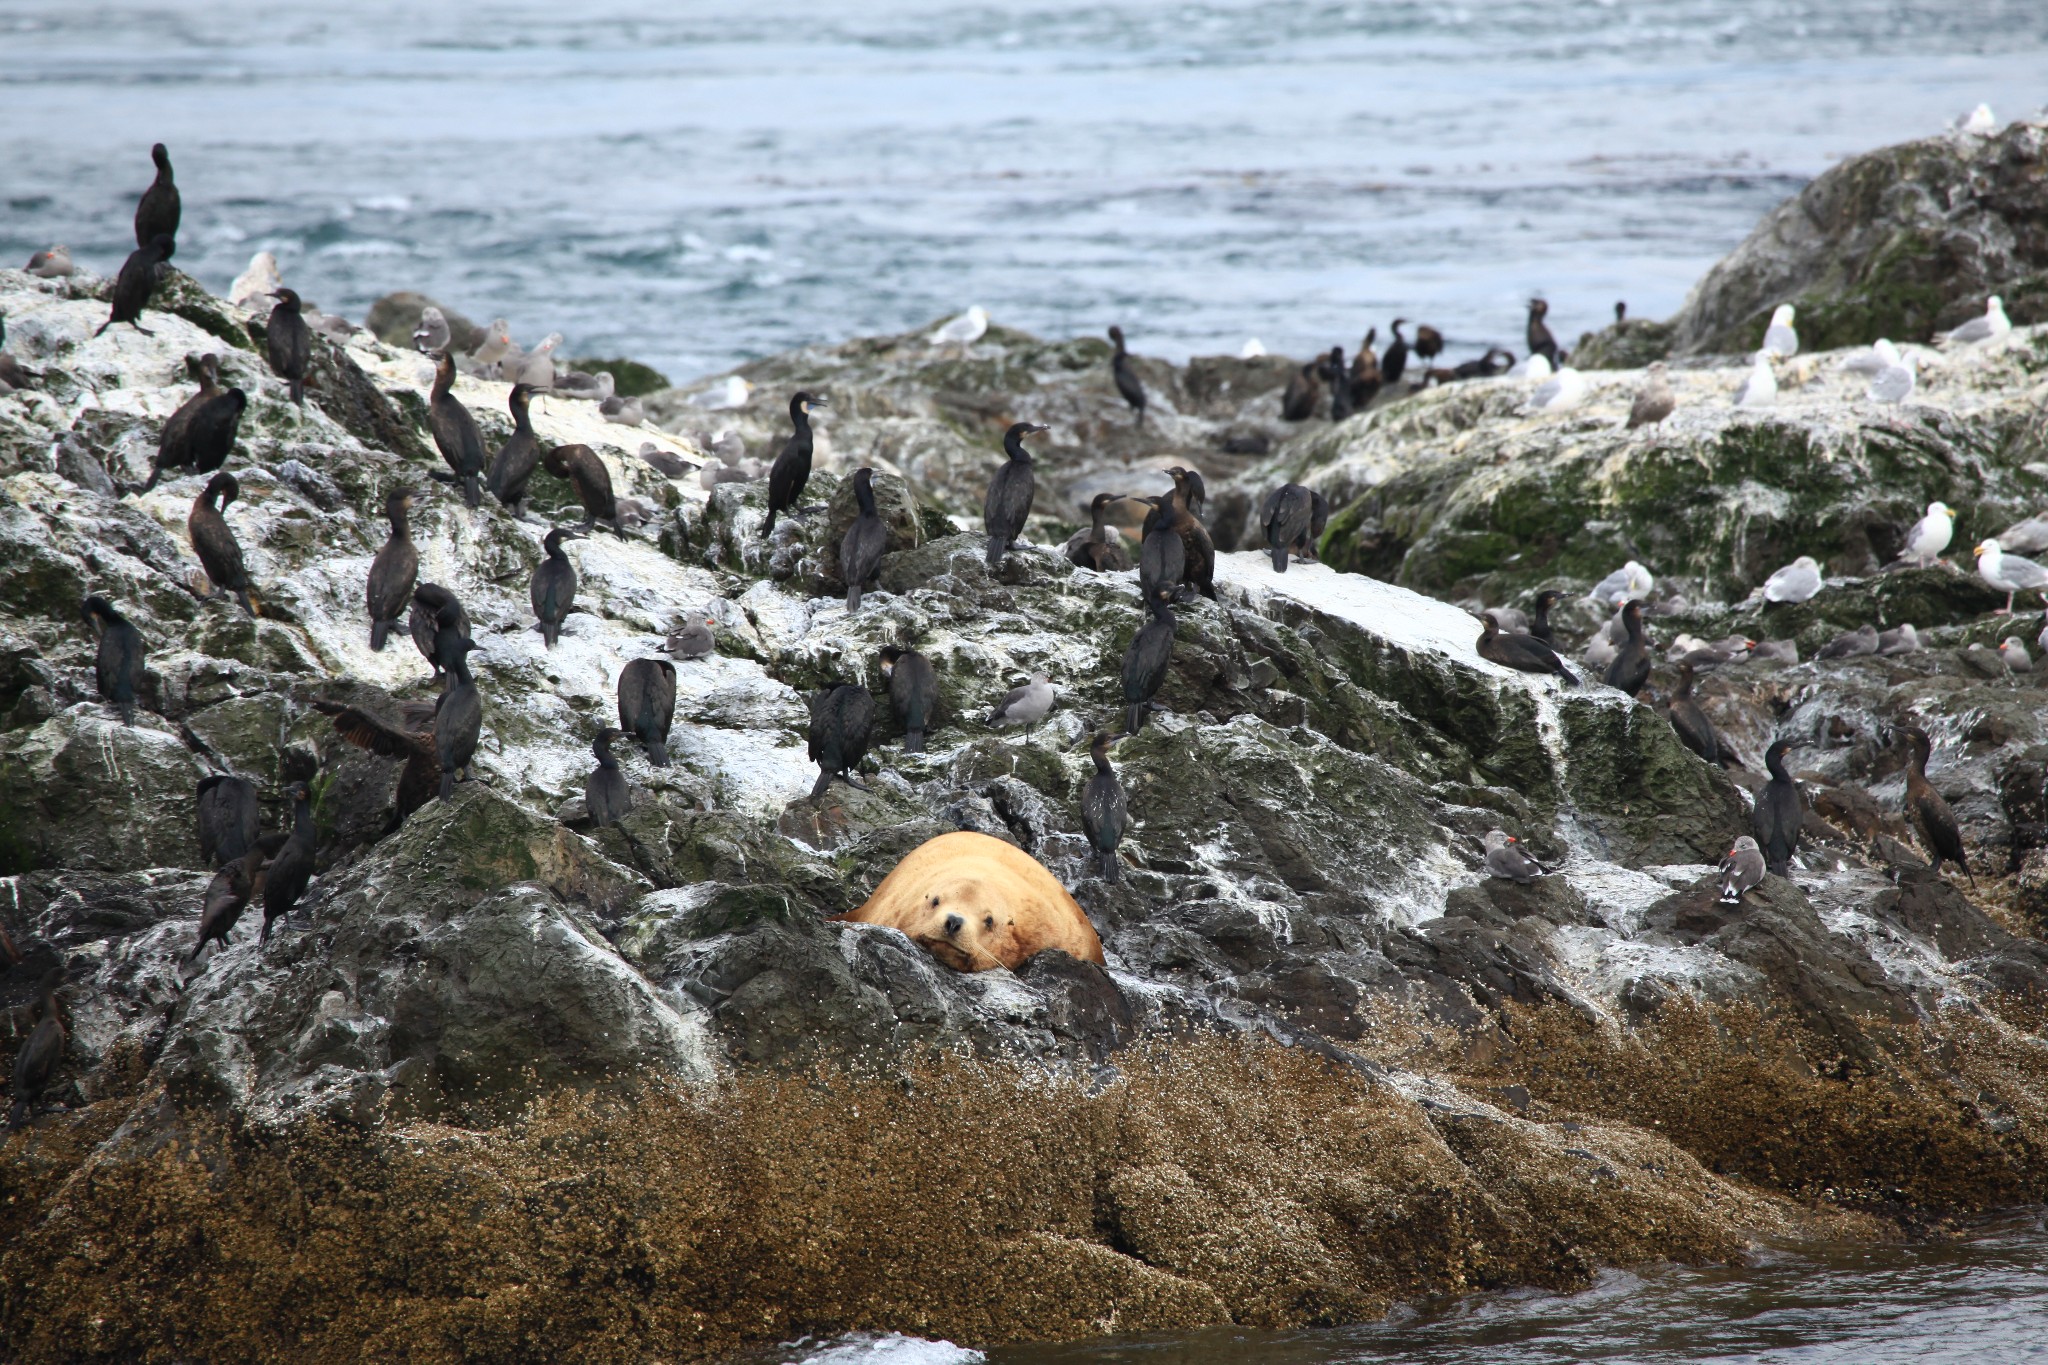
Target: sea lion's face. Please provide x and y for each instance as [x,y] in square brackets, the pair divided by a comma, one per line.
[964,927]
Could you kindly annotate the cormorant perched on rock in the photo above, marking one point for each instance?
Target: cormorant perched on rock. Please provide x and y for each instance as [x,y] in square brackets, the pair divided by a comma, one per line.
[288,343]
[213,540]
[842,719]
[230,892]
[1163,557]
[1741,868]
[1126,378]
[1930,812]
[292,868]
[1508,860]
[1146,660]
[553,590]
[1429,343]
[1105,814]
[647,705]
[394,571]
[1630,670]
[412,739]
[1395,362]
[455,432]
[792,467]
[1365,372]
[1539,617]
[1780,810]
[201,433]
[1099,547]
[1008,503]
[158,211]
[118,667]
[1695,731]
[605,793]
[458,717]
[1541,342]
[586,473]
[436,610]
[230,817]
[1025,706]
[512,468]
[1337,378]
[37,1060]
[913,692]
[1290,515]
[1654,401]
[136,282]
[1200,551]
[1303,394]
[1523,653]
[860,550]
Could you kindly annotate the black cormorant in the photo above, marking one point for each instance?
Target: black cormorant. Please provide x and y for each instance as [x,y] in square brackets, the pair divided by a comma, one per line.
[1304,392]
[792,468]
[1539,617]
[213,540]
[1199,551]
[1126,378]
[605,794]
[201,433]
[431,605]
[1523,653]
[158,211]
[553,590]
[1429,343]
[37,1060]
[841,721]
[647,705]
[1541,342]
[412,739]
[512,468]
[1930,812]
[1099,547]
[1146,660]
[1395,362]
[586,473]
[1365,372]
[394,571]
[1163,557]
[1630,669]
[285,881]
[1105,815]
[230,817]
[1695,731]
[455,432]
[118,666]
[136,282]
[860,551]
[1337,379]
[913,692]
[1286,515]
[1780,811]
[1008,504]
[288,342]
[458,718]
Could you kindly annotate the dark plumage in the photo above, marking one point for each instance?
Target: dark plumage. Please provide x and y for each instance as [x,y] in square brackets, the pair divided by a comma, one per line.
[512,468]
[1742,868]
[458,718]
[455,432]
[411,739]
[435,611]
[841,721]
[1126,378]
[1429,343]
[1303,394]
[553,590]
[388,591]
[792,468]
[1198,550]
[647,705]
[288,343]
[1523,653]
[158,211]
[1286,514]
[1541,342]
[230,818]
[1695,731]
[136,282]
[586,473]
[118,666]
[36,1062]
[213,540]
[1539,617]
[1146,660]
[860,550]
[1937,823]
[1099,547]
[1365,373]
[605,794]
[1163,557]
[1630,669]
[231,890]
[1495,361]
[201,433]
[1780,811]
[292,868]
[1105,813]
[1008,503]
[913,692]
[1337,379]
[1395,362]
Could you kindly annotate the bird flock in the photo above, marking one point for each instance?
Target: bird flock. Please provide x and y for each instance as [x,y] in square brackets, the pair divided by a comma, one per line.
[437,741]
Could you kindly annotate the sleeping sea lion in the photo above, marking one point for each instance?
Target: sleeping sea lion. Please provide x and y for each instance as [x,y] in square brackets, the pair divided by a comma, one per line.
[974,902]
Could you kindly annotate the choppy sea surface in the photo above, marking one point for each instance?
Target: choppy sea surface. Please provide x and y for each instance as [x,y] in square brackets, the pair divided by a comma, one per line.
[1981,1299]
[698,184]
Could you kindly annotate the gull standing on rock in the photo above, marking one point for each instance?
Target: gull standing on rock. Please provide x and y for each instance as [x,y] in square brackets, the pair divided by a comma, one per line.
[1979,121]
[1630,582]
[1025,706]
[696,640]
[1881,356]
[259,281]
[1507,860]
[2009,573]
[1931,534]
[496,345]
[1894,383]
[1992,325]
[1654,401]
[1760,386]
[1565,389]
[1779,338]
[433,333]
[1796,582]
[537,366]
[1741,869]
[962,331]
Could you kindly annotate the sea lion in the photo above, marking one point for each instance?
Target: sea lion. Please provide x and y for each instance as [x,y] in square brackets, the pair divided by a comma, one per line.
[974,902]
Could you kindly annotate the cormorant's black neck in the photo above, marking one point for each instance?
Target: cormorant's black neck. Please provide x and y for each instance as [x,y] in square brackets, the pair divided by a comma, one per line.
[1013,446]
[1774,763]
[864,494]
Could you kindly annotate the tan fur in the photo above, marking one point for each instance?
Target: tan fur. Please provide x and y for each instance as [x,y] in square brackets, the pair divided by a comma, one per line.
[1009,906]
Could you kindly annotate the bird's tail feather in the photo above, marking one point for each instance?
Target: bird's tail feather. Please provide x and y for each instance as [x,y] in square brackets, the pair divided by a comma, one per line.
[913,742]
[379,631]
[657,753]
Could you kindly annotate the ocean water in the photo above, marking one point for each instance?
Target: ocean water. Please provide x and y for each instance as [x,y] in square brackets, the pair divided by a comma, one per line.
[698,184]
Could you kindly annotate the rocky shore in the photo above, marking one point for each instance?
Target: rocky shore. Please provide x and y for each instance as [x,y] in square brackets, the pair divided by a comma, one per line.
[508,1085]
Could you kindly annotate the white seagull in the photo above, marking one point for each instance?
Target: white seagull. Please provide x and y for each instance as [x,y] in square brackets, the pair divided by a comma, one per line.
[1930,535]
[1796,582]
[1565,389]
[962,331]
[1894,383]
[1759,387]
[2009,573]
[1779,338]
[1992,325]
[1880,356]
